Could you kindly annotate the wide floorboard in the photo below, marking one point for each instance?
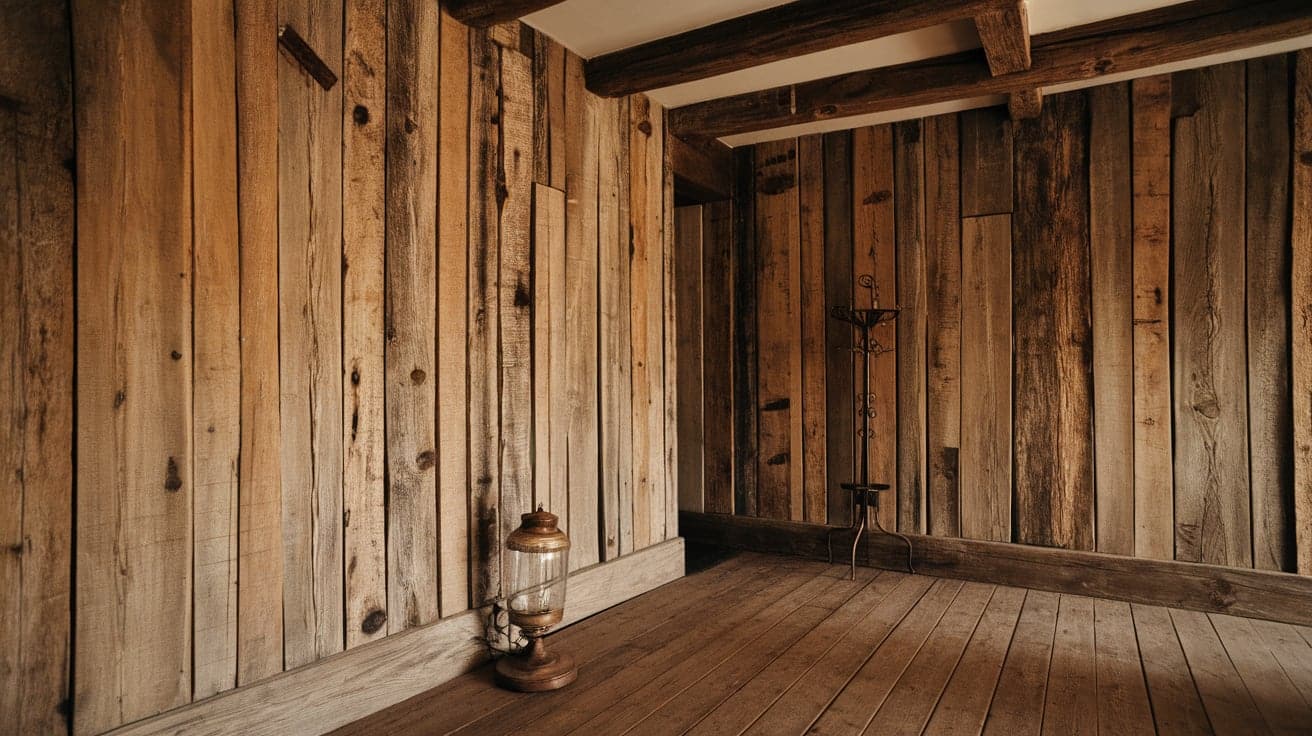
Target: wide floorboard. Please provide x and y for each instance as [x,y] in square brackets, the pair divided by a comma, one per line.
[773,645]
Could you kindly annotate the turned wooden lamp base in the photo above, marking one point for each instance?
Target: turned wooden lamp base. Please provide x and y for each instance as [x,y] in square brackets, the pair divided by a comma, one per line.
[535,669]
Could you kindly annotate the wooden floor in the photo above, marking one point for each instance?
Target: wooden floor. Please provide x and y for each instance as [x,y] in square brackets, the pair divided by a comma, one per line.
[773,645]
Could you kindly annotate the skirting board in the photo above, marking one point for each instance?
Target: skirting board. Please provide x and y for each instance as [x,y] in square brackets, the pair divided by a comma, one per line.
[345,687]
[1255,593]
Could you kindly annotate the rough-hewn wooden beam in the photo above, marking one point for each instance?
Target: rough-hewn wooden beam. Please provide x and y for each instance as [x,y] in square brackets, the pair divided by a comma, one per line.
[1024,104]
[703,167]
[781,32]
[483,13]
[1005,35]
[1126,44]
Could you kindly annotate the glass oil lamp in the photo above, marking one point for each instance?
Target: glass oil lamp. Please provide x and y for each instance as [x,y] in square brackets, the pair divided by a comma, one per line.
[539,565]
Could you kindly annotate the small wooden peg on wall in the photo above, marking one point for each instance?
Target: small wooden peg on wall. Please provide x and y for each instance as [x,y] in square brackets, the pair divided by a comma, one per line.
[293,44]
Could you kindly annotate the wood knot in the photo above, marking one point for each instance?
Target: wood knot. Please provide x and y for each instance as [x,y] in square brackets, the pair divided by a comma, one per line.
[410,125]
[172,479]
[828,110]
[374,621]
[779,459]
[1305,158]
[775,405]
[1104,65]
[418,376]
[522,297]
[175,355]
[119,398]
[360,114]
[1208,406]
[426,460]
[644,127]
[879,197]
[355,377]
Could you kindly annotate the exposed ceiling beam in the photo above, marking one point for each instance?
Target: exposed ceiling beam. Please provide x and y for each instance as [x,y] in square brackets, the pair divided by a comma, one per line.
[484,13]
[1126,44]
[781,32]
[701,166]
[1005,35]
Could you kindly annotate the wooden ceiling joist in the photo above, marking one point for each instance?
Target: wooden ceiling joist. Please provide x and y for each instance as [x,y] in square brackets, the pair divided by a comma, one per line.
[1005,35]
[1126,44]
[781,32]
[484,13]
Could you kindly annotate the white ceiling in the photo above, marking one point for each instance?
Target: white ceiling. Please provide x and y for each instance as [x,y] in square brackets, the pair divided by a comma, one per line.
[593,27]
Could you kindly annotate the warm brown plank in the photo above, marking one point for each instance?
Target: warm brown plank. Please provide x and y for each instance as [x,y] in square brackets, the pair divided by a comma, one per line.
[814,327]
[840,407]
[1212,521]
[1267,265]
[1282,706]
[717,362]
[964,704]
[1053,446]
[703,168]
[792,29]
[1177,708]
[1004,33]
[744,332]
[1123,706]
[132,621]
[688,285]
[776,240]
[943,311]
[986,162]
[364,234]
[1230,707]
[1154,489]
[548,111]
[1301,280]
[259,514]
[616,352]
[1293,653]
[1124,44]
[646,274]
[985,459]
[909,211]
[1111,265]
[483,13]
[670,360]
[549,409]
[37,351]
[1017,706]
[453,486]
[1070,704]
[1025,104]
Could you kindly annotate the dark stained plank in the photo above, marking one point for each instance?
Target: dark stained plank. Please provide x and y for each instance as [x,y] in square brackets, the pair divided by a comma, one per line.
[1230,707]
[840,409]
[1004,33]
[688,286]
[1111,265]
[792,29]
[1301,286]
[1025,104]
[943,320]
[814,319]
[483,13]
[1017,706]
[909,210]
[703,168]
[964,704]
[1177,707]
[745,389]
[1053,446]
[1123,706]
[717,361]
[548,111]
[1122,44]
[1070,703]
[1267,262]
[986,162]
[1212,521]
[1272,690]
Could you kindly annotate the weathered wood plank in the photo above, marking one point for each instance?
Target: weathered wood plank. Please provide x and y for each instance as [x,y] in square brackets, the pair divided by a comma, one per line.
[645,320]
[1273,692]
[813,325]
[1072,693]
[134,339]
[1230,707]
[943,322]
[259,513]
[985,460]
[483,13]
[840,395]
[613,320]
[1212,521]
[703,168]
[1154,484]
[912,290]
[1053,446]
[1123,705]
[964,704]
[717,361]
[1017,706]
[744,332]
[1004,32]
[688,283]
[1111,265]
[1177,708]
[1301,288]
[548,111]
[986,162]
[670,362]
[550,413]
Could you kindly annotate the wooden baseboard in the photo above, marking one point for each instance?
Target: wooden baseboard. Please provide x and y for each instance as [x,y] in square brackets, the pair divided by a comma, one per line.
[345,687]
[1259,594]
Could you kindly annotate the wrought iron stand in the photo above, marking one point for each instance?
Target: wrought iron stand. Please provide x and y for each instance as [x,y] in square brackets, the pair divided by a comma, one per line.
[865,495]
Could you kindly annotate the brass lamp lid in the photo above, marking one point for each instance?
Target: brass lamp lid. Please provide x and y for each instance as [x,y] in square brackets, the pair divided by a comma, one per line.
[538,533]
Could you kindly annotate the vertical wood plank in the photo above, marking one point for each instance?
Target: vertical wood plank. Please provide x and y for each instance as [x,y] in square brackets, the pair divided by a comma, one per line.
[484,406]
[717,361]
[548,111]
[453,479]
[1210,379]
[259,511]
[37,378]
[840,404]
[943,323]
[776,238]
[688,259]
[551,414]
[1053,446]
[1301,294]
[1154,485]
[986,162]
[814,318]
[986,358]
[1111,265]
[1268,265]
[364,235]
[613,289]
[134,444]
[670,361]
[514,180]
[745,378]
[624,326]
[216,389]
[908,183]
[874,232]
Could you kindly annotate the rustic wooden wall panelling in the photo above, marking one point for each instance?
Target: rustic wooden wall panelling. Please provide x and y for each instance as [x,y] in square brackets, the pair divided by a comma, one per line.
[745,372]
[1301,293]
[623,244]
[986,162]
[840,395]
[689,241]
[613,327]
[1212,521]
[909,201]
[717,349]
[549,409]
[814,325]
[670,356]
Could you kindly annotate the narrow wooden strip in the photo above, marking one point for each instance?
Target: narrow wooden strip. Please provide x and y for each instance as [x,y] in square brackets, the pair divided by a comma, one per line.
[840,395]
[796,424]
[964,704]
[548,111]
[688,285]
[1154,483]
[1281,704]
[311,63]
[986,162]
[670,359]
[1177,708]
[12,437]
[1111,266]
[623,245]
[1301,280]
[985,460]
[814,327]
[646,274]
[1122,694]
[615,352]
[1071,705]
[943,310]
[1230,707]
[717,361]
[745,391]
[1017,706]
[912,290]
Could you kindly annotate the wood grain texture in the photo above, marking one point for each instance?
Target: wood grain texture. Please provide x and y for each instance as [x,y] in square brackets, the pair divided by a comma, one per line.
[646,273]
[717,361]
[985,459]
[549,410]
[745,376]
[548,111]
[688,283]
[986,162]
[1230,707]
[1050,286]
[814,332]
[964,704]
[840,394]
[670,358]
[483,13]
[1111,267]
[1123,704]
[1154,478]
[943,323]
[134,282]
[1209,370]
[912,297]
[1177,708]
[1004,33]
[1017,705]
[1072,672]
[1301,296]
[614,294]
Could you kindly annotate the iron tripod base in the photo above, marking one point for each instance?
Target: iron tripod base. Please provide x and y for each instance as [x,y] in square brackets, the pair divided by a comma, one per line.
[862,497]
